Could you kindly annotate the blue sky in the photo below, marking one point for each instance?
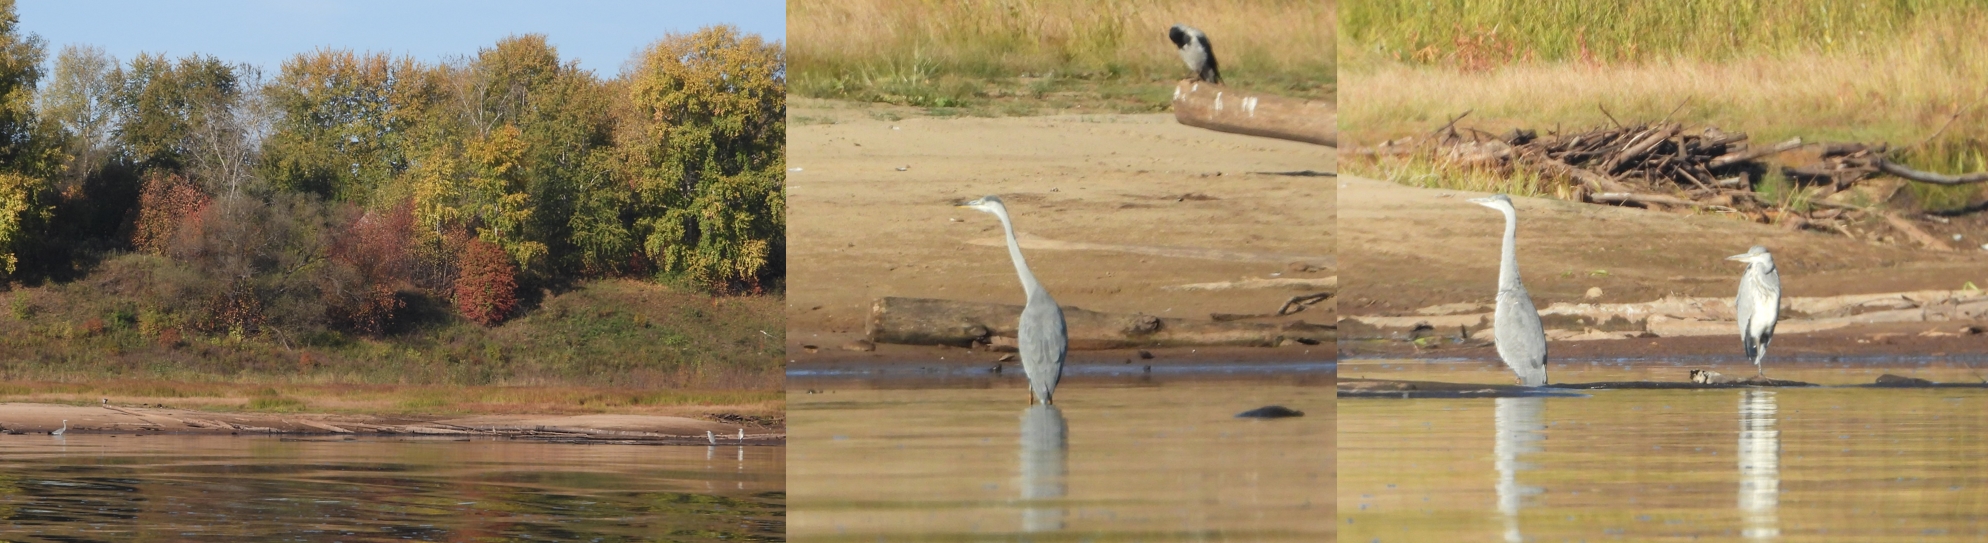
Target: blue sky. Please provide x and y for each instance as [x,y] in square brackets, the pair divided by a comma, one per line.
[602,35]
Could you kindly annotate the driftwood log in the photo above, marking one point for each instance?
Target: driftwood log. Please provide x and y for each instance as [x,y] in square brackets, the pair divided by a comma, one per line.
[1236,111]
[925,321]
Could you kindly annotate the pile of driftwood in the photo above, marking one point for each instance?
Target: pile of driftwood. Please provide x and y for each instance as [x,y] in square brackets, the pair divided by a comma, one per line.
[1666,165]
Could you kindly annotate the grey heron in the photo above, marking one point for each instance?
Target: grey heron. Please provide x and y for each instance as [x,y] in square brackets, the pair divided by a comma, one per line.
[1196,52]
[1521,339]
[1042,337]
[1758,304]
[65,428]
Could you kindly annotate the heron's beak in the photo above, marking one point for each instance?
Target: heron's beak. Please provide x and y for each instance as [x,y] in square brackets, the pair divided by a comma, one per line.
[1741,258]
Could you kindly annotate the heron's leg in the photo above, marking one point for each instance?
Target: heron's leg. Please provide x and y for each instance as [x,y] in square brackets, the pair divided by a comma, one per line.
[1031,396]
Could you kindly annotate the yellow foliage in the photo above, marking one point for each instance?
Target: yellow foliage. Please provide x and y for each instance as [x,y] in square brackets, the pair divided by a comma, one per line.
[17,204]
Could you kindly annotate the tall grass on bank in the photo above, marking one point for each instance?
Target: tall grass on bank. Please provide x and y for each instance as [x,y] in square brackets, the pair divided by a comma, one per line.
[1469,32]
[1899,87]
[963,54]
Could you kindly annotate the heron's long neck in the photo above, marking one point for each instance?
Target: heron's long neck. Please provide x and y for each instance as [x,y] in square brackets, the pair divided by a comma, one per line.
[1015,251]
[1508,259]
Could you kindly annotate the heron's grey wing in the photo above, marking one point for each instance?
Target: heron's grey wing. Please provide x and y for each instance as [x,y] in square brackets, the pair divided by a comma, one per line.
[1044,342]
[1745,307]
[1770,305]
[1521,337]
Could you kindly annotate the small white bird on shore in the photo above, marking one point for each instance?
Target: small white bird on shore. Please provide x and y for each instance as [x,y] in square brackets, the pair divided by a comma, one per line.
[65,428]
[708,436]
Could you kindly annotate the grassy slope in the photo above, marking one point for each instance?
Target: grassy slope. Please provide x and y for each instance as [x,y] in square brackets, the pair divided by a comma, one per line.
[1824,71]
[1027,56]
[606,344]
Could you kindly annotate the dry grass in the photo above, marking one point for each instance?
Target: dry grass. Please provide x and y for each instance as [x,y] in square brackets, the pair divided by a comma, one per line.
[1901,93]
[1051,53]
[403,400]
[1488,33]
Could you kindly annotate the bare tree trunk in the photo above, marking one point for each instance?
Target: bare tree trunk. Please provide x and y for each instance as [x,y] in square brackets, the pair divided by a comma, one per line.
[1228,109]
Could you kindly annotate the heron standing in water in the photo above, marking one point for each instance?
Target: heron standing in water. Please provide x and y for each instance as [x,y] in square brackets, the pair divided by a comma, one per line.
[1521,339]
[1758,304]
[65,428]
[1042,337]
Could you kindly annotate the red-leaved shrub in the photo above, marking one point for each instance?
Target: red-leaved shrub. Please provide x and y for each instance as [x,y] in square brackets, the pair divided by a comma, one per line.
[376,247]
[167,201]
[486,284]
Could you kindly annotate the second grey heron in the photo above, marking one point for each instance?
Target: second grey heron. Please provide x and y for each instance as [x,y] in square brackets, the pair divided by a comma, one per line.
[1196,52]
[1042,337]
[1758,303]
[1521,338]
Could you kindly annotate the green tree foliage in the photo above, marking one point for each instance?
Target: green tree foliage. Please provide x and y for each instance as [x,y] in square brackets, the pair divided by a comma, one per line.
[343,122]
[161,103]
[705,152]
[483,189]
[79,100]
[30,154]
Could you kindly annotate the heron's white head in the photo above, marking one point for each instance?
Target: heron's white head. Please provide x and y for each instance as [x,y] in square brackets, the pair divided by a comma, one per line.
[1496,201]
[1756,255]
[990,204]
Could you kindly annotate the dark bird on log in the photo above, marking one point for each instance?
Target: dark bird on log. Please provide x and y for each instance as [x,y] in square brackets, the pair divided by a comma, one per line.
[1195,51]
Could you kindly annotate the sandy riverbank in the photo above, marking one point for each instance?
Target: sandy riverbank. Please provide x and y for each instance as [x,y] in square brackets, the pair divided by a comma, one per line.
[1408,248]
[1113,210]
[31,418]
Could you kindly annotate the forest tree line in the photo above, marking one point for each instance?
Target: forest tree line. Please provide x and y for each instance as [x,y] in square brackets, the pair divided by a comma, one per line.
[332,193]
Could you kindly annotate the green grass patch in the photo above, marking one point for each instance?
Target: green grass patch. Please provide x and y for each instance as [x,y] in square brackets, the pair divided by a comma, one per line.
[1037,56]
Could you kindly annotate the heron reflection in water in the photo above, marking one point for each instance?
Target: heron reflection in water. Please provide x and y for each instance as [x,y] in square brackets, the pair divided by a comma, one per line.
[1759,465]
[1045,467]
[1519,431]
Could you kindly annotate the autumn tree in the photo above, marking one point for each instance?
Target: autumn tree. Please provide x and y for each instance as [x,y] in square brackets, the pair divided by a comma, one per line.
[372,259]
[160,102]
[78,99]
[704,152]
[30,152]
[487,290]
[344,122]
[169,200]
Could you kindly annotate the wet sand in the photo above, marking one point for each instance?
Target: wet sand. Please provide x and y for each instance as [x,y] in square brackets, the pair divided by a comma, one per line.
[124,419]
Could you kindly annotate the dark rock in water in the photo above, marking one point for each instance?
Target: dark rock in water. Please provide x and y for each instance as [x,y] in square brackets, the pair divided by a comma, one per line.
[1902,381]
[1270,412]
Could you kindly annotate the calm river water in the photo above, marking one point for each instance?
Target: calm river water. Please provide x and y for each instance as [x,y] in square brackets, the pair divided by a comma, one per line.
[228,488]
[1111,461]
[1832,463]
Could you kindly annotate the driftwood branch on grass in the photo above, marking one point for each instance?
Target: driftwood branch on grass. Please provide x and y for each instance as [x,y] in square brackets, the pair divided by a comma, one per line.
[1754,154]
[1633,198]
[924,321]
[1237,111]
[1900,170]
